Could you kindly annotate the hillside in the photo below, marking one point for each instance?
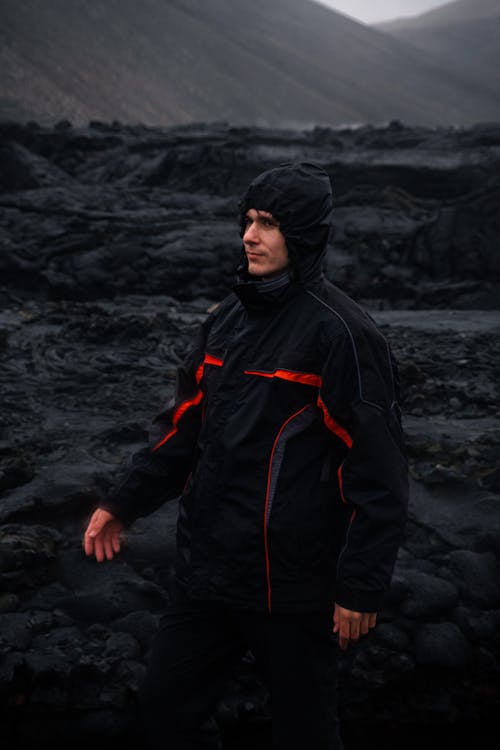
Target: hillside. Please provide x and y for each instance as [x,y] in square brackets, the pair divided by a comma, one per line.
[287,62]
[458,11]
[461,36]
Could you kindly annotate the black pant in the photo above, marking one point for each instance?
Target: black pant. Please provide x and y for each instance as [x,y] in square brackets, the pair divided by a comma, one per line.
[195,653]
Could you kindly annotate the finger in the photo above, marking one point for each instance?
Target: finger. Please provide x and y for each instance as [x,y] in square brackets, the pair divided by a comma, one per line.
[365,624]
[96,524]
[115,541]
[99,549]
[88,545]
[355,629]
[344,633]
[372,619]
[108,547]
[336,619]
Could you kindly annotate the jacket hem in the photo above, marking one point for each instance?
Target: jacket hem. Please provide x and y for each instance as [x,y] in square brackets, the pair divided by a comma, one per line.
[251,604]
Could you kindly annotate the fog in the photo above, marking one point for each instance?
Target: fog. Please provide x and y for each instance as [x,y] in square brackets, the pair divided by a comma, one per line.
[370,12]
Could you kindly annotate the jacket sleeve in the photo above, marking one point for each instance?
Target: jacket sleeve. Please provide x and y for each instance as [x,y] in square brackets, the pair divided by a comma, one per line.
[158,473]
[359,394]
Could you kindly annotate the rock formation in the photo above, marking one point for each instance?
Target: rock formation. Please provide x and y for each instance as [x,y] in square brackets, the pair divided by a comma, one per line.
[115,241]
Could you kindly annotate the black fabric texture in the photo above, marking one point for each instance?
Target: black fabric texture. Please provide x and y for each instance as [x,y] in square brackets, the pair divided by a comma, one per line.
[328,538]
[195,653]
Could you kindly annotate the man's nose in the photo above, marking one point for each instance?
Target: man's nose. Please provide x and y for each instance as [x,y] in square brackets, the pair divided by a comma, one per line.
[251,234]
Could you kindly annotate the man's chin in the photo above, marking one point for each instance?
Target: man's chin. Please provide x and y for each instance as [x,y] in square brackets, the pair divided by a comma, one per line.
[254,270]
[262,273]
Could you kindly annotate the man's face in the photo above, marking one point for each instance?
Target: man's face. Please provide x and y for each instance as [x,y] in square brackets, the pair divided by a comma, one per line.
[265,246]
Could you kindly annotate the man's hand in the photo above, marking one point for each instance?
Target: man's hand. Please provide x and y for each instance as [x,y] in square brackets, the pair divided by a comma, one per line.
[350,625]
[102,537]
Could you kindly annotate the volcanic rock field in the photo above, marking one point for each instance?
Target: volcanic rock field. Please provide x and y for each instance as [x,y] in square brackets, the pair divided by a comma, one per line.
[115,240]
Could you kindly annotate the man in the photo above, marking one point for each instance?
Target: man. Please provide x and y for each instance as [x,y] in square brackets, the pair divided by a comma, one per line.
[284,442]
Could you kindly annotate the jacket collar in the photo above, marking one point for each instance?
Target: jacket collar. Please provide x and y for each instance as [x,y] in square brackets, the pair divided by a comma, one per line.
[260,294]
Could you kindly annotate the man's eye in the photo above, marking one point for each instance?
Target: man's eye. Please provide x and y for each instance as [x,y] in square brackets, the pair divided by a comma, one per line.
[269,222]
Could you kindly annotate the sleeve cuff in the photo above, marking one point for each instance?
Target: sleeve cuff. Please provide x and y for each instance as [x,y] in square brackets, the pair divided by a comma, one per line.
[358,600]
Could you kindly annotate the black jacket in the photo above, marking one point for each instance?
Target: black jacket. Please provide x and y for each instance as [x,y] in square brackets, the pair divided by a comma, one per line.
[284,441]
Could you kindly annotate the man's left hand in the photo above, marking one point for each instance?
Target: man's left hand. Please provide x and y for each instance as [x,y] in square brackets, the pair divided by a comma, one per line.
[351,625]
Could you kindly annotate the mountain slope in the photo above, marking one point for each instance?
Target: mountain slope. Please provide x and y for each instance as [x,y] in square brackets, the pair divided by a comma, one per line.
[458,11]
[462,36]
[274,62]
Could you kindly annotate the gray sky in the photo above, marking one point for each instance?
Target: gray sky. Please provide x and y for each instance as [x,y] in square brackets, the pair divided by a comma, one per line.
[382,10]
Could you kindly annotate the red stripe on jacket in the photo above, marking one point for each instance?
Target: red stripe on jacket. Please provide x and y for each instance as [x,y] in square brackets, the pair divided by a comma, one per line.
[334,426]
[185,405]
[306,378]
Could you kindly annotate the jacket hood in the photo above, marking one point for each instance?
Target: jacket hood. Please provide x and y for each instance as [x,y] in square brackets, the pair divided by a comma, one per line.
[299,196]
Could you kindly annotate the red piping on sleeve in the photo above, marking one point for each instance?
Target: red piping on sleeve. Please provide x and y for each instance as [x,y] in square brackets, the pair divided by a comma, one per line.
[179,412]
[334,426]
[342,497]
[185,405]
[209,360]
[199,372]
[339,475]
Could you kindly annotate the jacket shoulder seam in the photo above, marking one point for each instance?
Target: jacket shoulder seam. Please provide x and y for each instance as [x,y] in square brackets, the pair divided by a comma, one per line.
[349,333]
[354,349]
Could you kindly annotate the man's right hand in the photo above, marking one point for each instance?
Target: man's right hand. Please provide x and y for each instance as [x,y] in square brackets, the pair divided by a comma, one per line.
[102,537]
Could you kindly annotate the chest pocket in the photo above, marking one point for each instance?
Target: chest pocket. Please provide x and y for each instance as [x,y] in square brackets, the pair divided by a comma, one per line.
[291,366]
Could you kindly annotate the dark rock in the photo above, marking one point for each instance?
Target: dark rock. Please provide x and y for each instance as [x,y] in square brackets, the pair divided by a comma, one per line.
[427,597]
[14,469]
[41,622]
[376,666]
[477,575]
[392,637]
[441,645]
[21,169]
[54,664]
[12,687]
[8,602]
[60,638]
[15,631]
[477,626]
[75,570]
[26,553]
[48,495]
[47,597]
[115,243]
[123,646]
[395,238]
[97,630]
[112,600]
[130,674]
[141,625]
